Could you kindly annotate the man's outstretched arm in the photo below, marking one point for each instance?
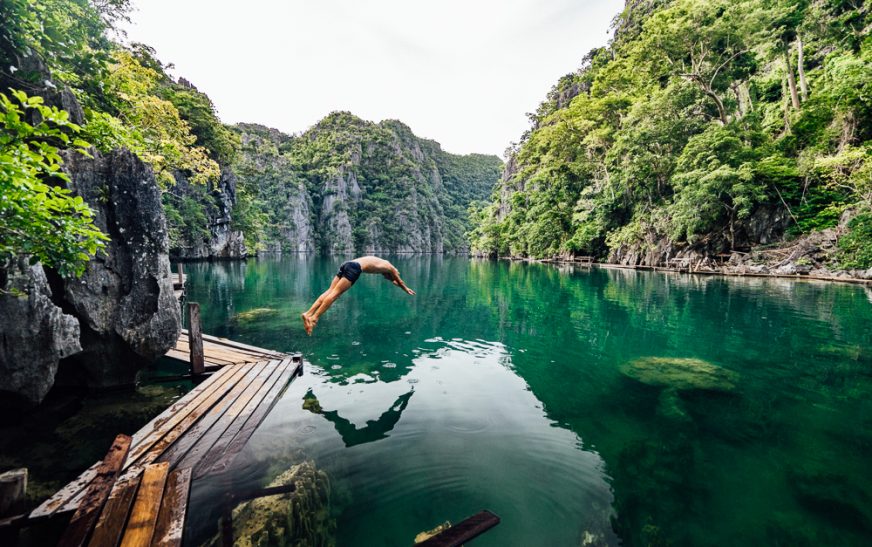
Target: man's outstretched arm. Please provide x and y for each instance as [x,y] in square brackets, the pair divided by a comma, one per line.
[398,281]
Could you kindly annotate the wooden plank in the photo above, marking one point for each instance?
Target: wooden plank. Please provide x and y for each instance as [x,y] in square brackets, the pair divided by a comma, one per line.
[182,425]
[238,345]
[110,525]
[178,450]
[69,498]
[86,515]
[62,496]
[143,516]
[463,531]
[237,443]
[170,527]
[268,374]
[157,429]
[195,338]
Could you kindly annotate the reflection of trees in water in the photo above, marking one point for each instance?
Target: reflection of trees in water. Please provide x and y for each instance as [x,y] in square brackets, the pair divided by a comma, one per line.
[350,433]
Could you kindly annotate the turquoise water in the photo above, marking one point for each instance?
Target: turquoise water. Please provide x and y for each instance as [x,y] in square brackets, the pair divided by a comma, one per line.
[506,386]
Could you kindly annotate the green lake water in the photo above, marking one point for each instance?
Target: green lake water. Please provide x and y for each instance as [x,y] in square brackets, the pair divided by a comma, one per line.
[500,386]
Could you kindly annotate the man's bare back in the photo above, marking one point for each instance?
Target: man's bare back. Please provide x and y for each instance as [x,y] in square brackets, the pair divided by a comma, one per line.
[346,276]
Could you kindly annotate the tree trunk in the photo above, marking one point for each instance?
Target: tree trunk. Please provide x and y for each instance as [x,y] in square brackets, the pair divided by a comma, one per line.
[803,86]
[722,112]
[786,102]
[791,79]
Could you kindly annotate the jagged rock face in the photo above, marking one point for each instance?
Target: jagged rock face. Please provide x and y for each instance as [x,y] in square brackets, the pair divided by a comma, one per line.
[218,199]
[125,304]
[348,185]
[765,225]
[34,335]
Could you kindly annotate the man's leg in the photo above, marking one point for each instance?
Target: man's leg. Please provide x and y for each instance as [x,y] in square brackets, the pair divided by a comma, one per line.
[341,286]
[308,324]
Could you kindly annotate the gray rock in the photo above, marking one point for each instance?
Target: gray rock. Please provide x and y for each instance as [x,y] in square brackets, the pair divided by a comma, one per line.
[34,335]
[127,311]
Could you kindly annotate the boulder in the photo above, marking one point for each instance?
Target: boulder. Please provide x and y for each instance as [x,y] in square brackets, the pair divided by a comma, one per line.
[34,335]
[125,304]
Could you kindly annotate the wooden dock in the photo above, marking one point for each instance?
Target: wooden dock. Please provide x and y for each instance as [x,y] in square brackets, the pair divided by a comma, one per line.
[198,435]
[221,352]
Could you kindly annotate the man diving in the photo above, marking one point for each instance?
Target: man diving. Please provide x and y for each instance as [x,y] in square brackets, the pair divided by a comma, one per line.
[345,278]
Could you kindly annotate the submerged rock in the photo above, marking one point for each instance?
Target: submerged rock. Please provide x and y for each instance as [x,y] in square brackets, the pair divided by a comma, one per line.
[680,373]
[254,315]
[676,374]
[299,519]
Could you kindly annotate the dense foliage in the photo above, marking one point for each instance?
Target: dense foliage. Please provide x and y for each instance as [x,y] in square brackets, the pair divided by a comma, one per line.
[128,100]
[360,184]
[699,115]
[38,217]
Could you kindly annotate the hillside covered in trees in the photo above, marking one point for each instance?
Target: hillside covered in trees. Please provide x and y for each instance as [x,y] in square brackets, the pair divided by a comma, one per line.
[704,127]
[347,184]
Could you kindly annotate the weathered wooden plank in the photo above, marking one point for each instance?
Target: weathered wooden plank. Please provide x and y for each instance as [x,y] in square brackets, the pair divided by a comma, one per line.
[182,425]
[62,496]
[143,516]
[98,491]
[195,338]
[463,531]
[177,451]
[13,486]
[240,345]
[233,446]
[157,429]
[170,527]
[268,373]
[110,525]
[69,498]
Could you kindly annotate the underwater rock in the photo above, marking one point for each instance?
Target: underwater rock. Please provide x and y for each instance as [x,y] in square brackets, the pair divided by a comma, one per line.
[833,497]
[680,374]
[254,315]
[676,374]
[299,519]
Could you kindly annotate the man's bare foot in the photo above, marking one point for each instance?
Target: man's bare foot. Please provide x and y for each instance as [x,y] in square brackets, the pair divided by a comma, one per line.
[308,324]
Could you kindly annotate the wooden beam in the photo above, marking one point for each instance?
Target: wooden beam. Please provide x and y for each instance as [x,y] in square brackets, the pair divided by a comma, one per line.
[463,531]
[195,338]
[92,504]
[143,516]
[170,527]
[13,486]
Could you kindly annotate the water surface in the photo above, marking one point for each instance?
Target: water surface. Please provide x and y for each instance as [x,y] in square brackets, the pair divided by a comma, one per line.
[500,386]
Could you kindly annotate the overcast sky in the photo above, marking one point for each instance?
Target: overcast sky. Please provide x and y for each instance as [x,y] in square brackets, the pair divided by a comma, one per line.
[463,73]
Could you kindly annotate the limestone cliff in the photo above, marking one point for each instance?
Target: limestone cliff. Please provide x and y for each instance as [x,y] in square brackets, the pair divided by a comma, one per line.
[348,185]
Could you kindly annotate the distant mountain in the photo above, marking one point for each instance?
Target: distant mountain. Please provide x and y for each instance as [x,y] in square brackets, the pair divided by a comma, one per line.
[349,185]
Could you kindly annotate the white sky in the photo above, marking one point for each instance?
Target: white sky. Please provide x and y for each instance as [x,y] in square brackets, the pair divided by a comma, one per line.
[463,73]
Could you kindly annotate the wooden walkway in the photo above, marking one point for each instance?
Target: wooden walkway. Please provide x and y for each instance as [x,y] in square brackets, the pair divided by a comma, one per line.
[199,434]
[220,352]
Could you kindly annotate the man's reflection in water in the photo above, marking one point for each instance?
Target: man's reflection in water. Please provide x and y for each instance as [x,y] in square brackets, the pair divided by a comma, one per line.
[374,430]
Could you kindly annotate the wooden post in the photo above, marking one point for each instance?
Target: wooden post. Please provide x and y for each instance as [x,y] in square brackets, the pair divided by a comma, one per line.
[195,339]
[13,485]
[181,275]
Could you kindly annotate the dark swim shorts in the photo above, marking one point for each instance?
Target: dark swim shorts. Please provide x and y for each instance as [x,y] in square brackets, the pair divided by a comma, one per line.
[349,270]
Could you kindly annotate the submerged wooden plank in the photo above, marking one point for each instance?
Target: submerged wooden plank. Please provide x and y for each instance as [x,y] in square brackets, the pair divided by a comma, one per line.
[86,515]
[268,372]
[110,525]
[233,446]
[170,527]
[179,449]
[143,516]
[463,531]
